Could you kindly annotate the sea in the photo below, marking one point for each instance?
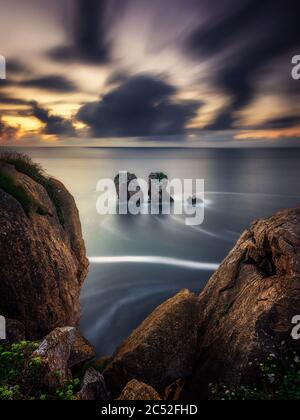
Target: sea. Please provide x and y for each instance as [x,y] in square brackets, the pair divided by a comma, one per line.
[137,262]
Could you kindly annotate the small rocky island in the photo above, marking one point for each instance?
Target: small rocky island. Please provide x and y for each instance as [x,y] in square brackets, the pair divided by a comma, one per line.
[233,341]
[127,185]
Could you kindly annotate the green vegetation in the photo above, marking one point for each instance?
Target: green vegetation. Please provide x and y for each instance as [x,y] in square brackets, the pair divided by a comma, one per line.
[279,381]
[18,370]
[25,165]
[160,176]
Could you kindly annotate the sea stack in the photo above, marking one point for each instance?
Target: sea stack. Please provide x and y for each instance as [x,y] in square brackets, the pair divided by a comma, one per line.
[126,186]
[158,182]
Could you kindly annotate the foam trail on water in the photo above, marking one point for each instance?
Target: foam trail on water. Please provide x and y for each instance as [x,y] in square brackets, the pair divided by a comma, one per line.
[193,265]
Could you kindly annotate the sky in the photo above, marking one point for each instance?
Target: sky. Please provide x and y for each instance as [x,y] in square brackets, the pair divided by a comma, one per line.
[185,73]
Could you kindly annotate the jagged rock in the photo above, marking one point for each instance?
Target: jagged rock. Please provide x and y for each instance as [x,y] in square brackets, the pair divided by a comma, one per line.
[42,253]
[136,391]
[81,351]
[122,182]
[54,353]
[161,350]
[93,387]
[248,305]
[158,182]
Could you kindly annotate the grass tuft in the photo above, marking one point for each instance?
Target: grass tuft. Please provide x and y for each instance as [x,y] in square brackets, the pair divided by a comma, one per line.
[25,165]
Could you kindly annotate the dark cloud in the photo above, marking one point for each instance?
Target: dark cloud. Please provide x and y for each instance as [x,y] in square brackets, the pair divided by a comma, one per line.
[7,132]
[10,100]
[142,106]
[89,41]
[16,67]
[116,78]
[249,36]
[54,124]
[50,83]
[280,123]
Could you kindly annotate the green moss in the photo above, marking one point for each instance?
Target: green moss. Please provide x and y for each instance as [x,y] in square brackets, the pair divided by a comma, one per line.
[25,165]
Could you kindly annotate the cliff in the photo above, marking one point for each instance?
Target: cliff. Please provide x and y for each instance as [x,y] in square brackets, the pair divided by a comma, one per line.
[243,315]
[246,309]
[42,253]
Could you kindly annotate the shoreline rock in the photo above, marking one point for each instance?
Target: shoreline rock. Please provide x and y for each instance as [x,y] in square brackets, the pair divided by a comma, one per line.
[247,307]
[43,263]
[161,350]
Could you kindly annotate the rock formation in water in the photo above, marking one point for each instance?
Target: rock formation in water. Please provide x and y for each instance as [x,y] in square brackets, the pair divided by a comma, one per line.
[194,201]
[126,186]
[158,182]
[43,262]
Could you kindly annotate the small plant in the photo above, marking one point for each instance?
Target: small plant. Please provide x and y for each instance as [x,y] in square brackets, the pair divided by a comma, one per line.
[68,391]
[279,380]
[19,370]
[25,165]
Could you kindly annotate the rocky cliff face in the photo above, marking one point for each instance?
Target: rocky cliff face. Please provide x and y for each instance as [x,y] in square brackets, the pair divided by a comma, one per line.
[42,254]
[246,309]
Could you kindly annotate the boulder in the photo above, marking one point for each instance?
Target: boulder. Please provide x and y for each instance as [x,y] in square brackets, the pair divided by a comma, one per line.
[247,307]
[138,391]
[54,353]
[42,252]
[81,351]
[93,387]
[161,350]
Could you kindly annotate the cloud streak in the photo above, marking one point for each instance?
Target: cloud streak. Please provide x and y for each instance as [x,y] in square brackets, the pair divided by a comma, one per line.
[248,37]
[89,42]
